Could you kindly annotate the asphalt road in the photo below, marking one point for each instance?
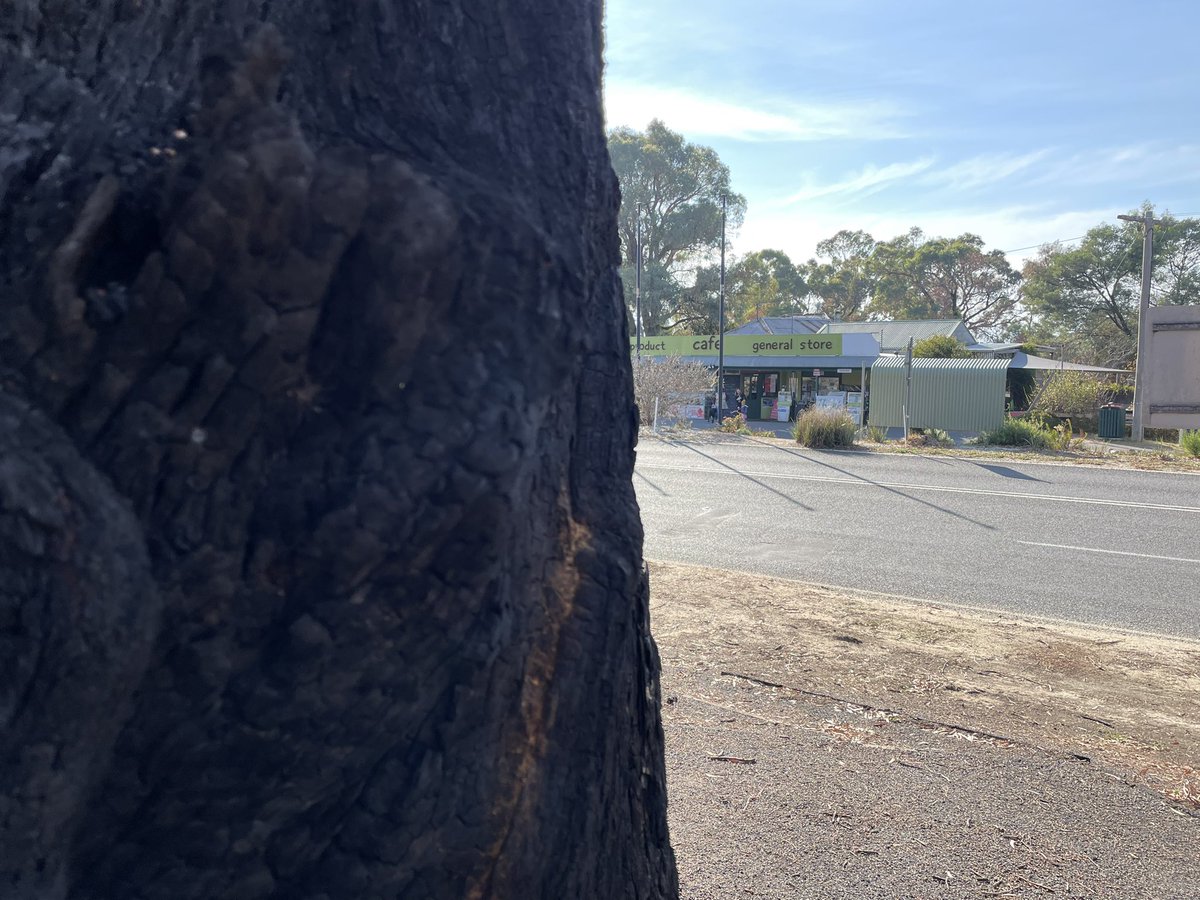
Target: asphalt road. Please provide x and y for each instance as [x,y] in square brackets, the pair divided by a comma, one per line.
[1101,546]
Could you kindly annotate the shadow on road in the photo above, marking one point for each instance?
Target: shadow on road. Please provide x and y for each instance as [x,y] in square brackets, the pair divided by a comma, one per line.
[765,487]
[1006,472]
[637,474]
[884,487]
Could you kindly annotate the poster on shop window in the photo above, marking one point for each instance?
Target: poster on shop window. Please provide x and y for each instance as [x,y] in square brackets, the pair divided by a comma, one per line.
[854,407]
[783,409]
[834,400]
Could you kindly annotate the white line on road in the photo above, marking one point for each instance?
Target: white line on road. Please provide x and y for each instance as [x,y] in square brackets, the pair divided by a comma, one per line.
[863,482]
[1113,552]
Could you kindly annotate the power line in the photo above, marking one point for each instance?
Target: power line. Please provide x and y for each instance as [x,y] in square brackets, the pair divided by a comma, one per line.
[1173,216]
[1044,243]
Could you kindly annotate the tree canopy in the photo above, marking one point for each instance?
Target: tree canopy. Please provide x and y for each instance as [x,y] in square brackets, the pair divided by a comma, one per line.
[1087,297]
[1082,298]
[943,278]
[842,277]
[673,189]
[940,346]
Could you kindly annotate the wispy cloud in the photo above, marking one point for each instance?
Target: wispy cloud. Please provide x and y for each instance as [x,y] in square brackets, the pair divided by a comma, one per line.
[869,180]
[985,169]
[1017,229]
[925,173]
[1138,165]
[983,174]
[698,114]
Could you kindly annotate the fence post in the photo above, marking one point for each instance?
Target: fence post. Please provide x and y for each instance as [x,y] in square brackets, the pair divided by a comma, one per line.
[656,415]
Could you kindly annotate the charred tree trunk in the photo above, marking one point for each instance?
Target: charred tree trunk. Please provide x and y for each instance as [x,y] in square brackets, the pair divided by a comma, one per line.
[320,565]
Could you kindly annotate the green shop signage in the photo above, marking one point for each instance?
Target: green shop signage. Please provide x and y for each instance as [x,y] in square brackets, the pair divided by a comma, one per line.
[741,345]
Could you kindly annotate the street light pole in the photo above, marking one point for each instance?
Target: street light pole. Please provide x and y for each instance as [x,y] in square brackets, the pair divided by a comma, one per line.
[721,323]
[1139,398]
[637,290]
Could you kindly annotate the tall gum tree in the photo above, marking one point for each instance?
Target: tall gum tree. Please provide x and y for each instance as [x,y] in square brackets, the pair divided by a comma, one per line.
[944,278]
[321,562]
[671,190]
[1087,296]
[841,276]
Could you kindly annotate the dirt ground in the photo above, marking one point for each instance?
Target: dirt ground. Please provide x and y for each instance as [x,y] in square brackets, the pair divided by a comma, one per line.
[825,745]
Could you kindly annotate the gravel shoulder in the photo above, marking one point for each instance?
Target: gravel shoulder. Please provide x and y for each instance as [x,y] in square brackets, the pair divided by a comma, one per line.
[821,744]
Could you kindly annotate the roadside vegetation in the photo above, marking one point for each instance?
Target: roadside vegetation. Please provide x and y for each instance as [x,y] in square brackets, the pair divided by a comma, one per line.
[824,429]
[735,424]
[938,437]
[1032,432]
[1190,442]
[940,346]
[669,380]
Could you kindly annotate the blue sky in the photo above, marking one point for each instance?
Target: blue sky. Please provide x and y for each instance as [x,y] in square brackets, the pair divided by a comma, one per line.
[1023,122]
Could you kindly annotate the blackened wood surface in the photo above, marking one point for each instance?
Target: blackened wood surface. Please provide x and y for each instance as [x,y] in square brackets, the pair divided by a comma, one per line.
[321,563]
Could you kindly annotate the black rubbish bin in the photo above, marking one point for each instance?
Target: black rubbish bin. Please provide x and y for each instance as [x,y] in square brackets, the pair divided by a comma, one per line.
[1112,421]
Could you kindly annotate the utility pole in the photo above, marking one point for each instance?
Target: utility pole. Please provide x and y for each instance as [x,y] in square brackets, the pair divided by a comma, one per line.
[1140,404]
[907,387]
[637,290]
[721,323]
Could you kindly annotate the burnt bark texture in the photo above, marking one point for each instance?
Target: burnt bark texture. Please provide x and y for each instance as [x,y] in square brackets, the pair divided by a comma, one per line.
[320,564]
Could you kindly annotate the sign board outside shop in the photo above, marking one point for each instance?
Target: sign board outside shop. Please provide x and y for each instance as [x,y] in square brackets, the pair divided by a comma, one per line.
[764,345]
[1171,380]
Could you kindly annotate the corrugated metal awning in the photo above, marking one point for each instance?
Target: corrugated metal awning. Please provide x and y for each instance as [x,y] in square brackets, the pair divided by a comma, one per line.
[954,394]
[893,362]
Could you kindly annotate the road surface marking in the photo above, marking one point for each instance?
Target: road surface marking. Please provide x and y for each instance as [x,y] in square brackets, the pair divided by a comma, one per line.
[862,482]
[1113,552]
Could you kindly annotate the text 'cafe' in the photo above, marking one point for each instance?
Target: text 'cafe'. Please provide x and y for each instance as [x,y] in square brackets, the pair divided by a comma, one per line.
[778,373]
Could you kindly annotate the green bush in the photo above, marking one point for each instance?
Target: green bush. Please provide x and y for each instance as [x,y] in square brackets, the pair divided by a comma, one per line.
[1070,393]
[1117,393]
[824,429]
[1190,442]
[1019,433]
[940,346]
[876,435]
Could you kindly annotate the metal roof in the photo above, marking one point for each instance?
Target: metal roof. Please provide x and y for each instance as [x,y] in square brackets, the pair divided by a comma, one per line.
[896,334]
[783,325]
[897,362]
[994,347]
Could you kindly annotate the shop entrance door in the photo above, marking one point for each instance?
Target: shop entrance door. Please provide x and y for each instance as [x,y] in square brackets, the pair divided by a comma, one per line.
[754,395]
